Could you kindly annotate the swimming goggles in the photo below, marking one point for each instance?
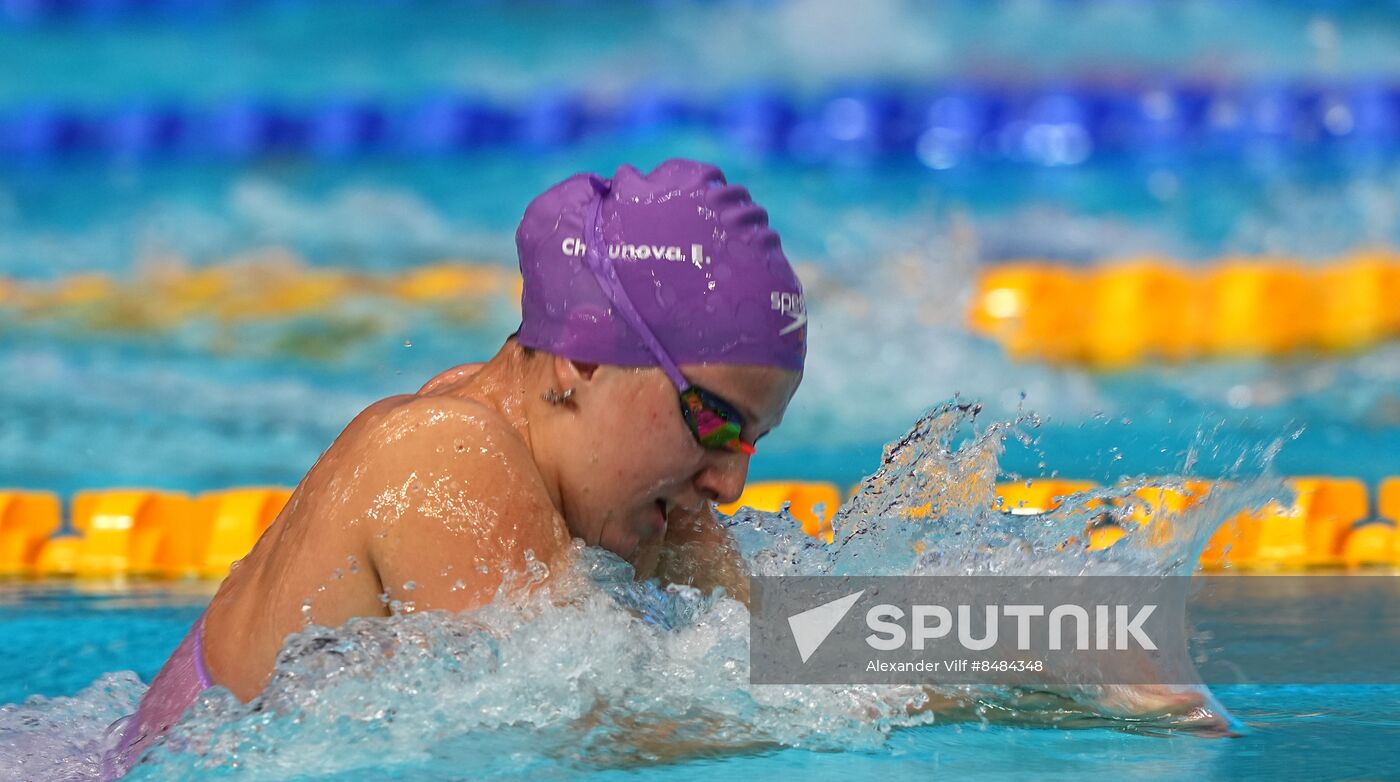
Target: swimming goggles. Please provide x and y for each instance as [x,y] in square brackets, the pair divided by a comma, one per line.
[714,422]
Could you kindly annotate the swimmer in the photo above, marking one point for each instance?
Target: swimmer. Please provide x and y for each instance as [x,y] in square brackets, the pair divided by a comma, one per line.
[663,334]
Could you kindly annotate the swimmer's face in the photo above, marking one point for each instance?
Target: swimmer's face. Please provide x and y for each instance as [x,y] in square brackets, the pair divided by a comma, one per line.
[637,463]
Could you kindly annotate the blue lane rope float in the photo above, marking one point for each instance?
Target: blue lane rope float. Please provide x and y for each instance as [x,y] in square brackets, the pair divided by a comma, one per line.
[938,126]
[32,12]
[101,11]
[24,13]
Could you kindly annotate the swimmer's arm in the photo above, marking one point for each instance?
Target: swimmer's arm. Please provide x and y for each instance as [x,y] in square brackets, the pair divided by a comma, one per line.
[700,553]
[1148,709]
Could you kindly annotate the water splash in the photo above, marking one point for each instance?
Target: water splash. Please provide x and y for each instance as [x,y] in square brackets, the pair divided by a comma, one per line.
[930,510]
[63,738]
[591,669]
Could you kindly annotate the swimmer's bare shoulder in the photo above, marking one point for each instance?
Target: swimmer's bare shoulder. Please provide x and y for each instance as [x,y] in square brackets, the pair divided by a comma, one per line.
[421,499]
[461,502]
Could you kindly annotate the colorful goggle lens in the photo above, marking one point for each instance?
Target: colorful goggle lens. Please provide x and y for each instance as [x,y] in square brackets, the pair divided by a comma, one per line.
[714,422]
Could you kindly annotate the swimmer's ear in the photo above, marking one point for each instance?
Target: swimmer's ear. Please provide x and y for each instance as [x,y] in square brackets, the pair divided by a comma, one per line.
[568,373]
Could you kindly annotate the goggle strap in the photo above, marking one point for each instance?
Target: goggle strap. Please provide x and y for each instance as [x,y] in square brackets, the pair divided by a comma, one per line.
[595,257]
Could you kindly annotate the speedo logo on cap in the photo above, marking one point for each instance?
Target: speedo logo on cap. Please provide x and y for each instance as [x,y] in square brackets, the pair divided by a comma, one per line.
[791,305]
[575,247]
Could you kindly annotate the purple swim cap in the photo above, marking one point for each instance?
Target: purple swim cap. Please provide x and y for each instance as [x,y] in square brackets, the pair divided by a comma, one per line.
[672,267]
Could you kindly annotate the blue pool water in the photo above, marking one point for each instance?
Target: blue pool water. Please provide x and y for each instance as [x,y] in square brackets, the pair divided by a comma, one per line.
[633,679]
[889,253]
[59,640]
[896,253]
[892,249]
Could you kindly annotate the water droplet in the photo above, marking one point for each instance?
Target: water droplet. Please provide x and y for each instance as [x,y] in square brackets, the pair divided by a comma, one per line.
[408,343]
[409,586]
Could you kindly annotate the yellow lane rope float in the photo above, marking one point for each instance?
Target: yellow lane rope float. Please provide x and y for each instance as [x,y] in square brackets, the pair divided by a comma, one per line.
[265,286]
[1124,313]
[166,534]
[1110,316]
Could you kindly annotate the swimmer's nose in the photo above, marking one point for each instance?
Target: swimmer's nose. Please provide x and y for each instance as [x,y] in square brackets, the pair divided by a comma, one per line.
[722,480]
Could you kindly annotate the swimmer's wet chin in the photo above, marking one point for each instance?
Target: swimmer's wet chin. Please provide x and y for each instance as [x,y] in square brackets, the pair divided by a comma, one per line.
[664,507]
[648,529]
[657,520]
[652,524]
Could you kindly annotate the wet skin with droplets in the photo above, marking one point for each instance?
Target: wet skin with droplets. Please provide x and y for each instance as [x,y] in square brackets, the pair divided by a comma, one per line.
[417,492]
[429,501]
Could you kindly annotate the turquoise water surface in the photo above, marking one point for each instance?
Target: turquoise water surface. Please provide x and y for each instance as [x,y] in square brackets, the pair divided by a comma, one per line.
[57,641]
[888,250]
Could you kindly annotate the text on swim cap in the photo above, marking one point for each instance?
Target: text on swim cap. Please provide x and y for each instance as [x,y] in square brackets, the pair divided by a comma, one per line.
[791,305]
[575,247]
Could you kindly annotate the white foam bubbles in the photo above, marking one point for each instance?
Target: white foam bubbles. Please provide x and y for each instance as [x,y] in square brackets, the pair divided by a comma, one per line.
[64,738]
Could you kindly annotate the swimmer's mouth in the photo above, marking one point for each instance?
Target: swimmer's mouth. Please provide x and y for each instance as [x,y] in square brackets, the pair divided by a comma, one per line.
[661,507]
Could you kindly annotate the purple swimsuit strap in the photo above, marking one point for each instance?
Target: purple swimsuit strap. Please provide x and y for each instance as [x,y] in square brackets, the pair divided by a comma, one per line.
[199,668]
[171,693]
